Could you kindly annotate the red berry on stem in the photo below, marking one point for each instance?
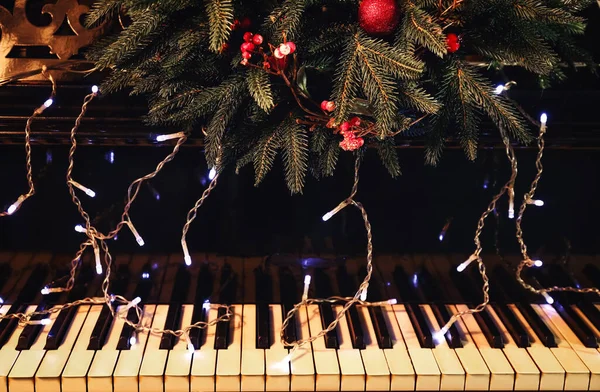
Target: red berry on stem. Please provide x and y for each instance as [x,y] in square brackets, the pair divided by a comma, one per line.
[284,49]
[292,47]
[452,42]
[247,47]
[247,55]
[345,127]
[324,105]
[277,53]
[330,107]
[355,121]
[257,39]
[248,36]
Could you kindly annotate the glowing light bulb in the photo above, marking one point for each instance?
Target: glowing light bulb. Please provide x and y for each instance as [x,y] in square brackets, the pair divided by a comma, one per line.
[45,291]
[548,298]
[392,301]
[538,263]
[138,237]
[441,236]
[438,336]
[212,174]
[188,260]
[111,157]
[97,258]
[48,102]
[80,229]
[307,279]
[134,302]
[186,253]
[163,138]
[15,206]
[415,280]
[145,275]
[499,89]
[190,347]
[535,202]
[45,321]
[462,266]
[544,118]
[337,209]
[84,189]
[99,269]
[95,89]
[363,295]
[132,340]
[206,304]
[1,300]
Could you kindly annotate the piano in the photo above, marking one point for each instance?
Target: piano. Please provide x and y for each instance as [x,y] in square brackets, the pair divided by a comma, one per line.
[519,342]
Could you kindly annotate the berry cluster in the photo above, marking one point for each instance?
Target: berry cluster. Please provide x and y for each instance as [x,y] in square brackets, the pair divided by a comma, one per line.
[452,42]
[351,142]
[250,42]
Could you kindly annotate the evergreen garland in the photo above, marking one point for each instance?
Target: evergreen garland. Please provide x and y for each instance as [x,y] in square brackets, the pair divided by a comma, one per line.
[183,56]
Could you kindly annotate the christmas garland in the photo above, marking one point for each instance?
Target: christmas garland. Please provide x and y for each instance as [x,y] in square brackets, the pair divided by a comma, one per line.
[310,78]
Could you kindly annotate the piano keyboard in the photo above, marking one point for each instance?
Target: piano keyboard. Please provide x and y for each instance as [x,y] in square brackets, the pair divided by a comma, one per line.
[517,343]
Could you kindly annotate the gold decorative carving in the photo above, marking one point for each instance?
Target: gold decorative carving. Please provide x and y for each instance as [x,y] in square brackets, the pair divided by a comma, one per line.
[18,30]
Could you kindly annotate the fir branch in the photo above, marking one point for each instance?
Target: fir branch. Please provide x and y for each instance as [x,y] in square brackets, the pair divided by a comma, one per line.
[260,88]
[265,153]
[100,11]
[435,139]
[389,156]
[347,81]
[295,154]
[220,18]
[417,98]
[286,19]
[330,157]
[419,27]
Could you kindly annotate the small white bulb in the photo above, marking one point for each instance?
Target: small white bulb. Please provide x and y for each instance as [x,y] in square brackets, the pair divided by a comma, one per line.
[95,89]
[499,89]
[538,263]
[1,300]
[140,241]
[206,304]
[132,341]
[45,291]
[145,275]
[536,202]
[80,229]
[441,236]
[48,102]
[548,298]
[307,279]
[188,260]
[190,347]
[327,216]
[163,138]
[45,321]
[511,213]
[392,301]
[466,263]
[212,174]
[136,301]
[138,237]
[363,295]
[99,269]
[544,118]
[84,189]
[15,206]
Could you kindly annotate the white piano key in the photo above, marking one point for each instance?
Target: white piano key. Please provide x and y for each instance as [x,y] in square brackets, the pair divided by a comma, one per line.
[478,374]
[47,378]
[104,362]
[350,360]
[424,363]
[229,360]
[326,359]
[155,359]
[577,375]
[204,361]
[453,374]
[277,370]
[125,376]
[78,364]
[588,356]
[8,353]
[378,373]
[21,376]
[253,359]
[528,375]
[302,363]
[502,374]
[398,359]
[179,363]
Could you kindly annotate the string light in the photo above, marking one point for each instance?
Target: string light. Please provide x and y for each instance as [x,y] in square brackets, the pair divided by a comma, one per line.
[212,173]
[138,237]
[45,321]
[337,209]
[462,266]
[499,89]
[16,205]
[97,258]
[548,298]
[84,189]
[145,275]
[48,103]
[538,263]
[535,202]
[79,228]
[94,89]
[307,280]
[132,340]
[164,138]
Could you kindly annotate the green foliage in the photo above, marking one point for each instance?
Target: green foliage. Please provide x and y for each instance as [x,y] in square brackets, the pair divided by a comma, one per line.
[183,55]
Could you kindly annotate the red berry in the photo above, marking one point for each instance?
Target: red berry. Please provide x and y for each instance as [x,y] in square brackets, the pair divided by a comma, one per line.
[355,122]
[247,55]
[257,39]
[324,105]
[266,65]
[345,127]
[330,107]
[452,42]
[245,23]
[451,37]
[247,47]
[248,36]
[292,47]
[284,49]
[277,53]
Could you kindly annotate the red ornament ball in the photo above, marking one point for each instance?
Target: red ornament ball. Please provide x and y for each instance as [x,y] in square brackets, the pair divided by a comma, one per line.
[378,17]
[452,42]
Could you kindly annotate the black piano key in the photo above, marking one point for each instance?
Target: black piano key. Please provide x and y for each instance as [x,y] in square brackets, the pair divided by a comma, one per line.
[384,340]
[469,291]
[222,334]
[178,295]
[204,289]
[289,297]
[591,313]
[506,282]
[5,272]
[9,325]
[513,325]
[142,290]
[263,326]
[323,290]
[30,332]
[430,288]
[348,289]
[264,296]
[101,329]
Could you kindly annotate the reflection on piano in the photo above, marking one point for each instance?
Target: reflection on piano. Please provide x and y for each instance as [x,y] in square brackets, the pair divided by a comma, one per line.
[518,342]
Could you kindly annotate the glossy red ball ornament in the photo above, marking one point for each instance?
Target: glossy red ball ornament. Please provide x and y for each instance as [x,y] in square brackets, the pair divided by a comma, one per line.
[452,42]
[379,17]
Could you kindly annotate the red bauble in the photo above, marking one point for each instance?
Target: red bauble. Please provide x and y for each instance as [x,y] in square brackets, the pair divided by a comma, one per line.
[452,42]
[379,17]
